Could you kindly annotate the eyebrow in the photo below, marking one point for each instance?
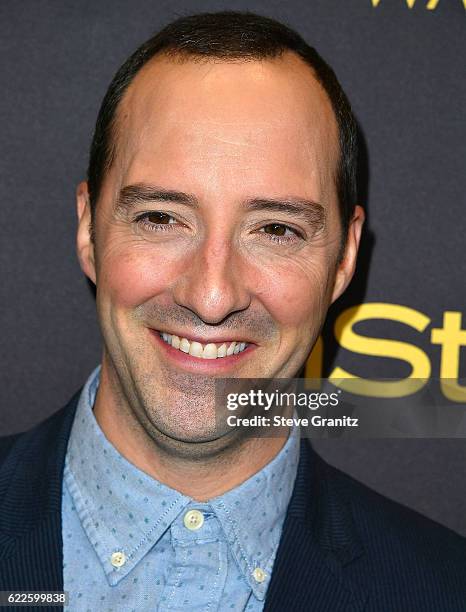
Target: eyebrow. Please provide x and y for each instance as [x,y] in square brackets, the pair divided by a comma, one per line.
[141,193]
[307,210]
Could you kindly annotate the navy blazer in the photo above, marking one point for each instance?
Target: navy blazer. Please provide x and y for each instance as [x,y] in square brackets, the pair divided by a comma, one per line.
[343,546]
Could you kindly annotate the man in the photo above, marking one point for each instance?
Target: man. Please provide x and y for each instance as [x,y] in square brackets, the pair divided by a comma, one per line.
[218,223]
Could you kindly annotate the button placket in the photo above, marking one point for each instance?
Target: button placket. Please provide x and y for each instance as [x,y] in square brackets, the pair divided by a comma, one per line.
[193,520]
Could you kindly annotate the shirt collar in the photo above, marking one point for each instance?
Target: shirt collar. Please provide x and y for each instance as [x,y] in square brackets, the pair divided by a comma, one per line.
[253,513]
[122,509]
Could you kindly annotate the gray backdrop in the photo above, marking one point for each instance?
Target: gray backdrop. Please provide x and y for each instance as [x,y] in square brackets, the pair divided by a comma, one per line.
[402,69]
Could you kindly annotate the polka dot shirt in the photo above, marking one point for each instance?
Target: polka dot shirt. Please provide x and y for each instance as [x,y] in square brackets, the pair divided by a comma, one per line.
[133,543]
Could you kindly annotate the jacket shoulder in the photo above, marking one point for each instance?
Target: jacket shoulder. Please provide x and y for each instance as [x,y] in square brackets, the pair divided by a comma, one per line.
[28,451]
[408,561]
[6,442]
[400,536]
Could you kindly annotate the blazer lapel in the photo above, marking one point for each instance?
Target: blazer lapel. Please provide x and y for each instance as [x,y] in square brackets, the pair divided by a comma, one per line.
[31,555]
[318,544]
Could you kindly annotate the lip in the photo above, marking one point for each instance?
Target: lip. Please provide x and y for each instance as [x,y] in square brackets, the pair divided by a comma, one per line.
[197,364]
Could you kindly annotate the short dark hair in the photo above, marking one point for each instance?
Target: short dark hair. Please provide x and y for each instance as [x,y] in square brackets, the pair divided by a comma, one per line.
[227,35]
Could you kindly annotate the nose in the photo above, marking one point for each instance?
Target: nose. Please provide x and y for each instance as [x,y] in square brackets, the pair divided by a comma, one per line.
[213,284]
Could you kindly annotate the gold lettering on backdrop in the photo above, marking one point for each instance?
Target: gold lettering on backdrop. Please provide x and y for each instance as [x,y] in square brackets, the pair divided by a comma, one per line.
[314,364]
[451,337]
[352,341]
[430,6]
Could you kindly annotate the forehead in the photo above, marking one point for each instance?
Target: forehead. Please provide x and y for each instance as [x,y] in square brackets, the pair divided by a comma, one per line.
[254,117]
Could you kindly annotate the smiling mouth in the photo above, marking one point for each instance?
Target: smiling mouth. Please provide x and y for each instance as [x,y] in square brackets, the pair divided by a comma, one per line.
[211,350]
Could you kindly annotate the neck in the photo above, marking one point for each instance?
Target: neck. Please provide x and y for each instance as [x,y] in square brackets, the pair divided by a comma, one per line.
[199,478]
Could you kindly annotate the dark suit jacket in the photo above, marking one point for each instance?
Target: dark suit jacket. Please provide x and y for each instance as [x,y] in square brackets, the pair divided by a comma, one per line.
[343,547]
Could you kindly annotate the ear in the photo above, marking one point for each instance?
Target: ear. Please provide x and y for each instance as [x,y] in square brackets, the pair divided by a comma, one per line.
[346,267]
[84,242]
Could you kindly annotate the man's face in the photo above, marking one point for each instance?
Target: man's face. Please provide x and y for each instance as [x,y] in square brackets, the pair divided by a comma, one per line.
[218,223]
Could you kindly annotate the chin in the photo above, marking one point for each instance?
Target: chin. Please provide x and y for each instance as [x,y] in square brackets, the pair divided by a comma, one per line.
[184,421]
[190,444]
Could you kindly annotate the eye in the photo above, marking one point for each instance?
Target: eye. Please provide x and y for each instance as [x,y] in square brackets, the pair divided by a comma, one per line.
[279,232]
[156,221]
[277,229]
[158,218]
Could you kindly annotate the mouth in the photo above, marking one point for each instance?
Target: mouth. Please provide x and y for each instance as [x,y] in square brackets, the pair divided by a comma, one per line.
[209,356]
[204,350]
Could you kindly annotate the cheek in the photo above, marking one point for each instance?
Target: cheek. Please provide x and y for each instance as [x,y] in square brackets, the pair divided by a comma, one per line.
[295,295]
[131,276]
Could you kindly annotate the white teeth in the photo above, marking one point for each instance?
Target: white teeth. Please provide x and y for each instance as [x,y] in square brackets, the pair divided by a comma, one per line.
[208,351]
[175,342]
[184,345]
[195,349]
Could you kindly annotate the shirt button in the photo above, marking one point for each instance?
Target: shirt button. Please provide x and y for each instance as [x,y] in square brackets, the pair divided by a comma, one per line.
[193,519]
[118,558]
[259,575]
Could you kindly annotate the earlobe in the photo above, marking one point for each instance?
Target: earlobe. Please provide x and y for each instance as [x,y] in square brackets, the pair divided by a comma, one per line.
[84,243]
[346,267]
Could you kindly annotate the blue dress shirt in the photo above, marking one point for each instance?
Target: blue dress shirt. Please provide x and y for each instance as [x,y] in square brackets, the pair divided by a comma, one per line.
[131,543]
